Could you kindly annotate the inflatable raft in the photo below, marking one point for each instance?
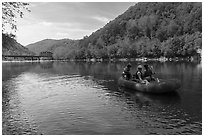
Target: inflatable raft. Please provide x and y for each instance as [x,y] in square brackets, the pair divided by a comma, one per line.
[163,86]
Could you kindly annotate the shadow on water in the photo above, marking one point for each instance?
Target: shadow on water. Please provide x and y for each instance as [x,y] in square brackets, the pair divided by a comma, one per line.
[147,98]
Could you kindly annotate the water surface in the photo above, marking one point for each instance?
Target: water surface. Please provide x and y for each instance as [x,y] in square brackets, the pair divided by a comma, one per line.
[84,98]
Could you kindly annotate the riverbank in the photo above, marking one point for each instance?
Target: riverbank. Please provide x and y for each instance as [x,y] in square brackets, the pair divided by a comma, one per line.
[16,61]
[143,59]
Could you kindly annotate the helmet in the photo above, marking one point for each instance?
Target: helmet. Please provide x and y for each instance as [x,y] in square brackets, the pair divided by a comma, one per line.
[129,65]
[139,67]
[146,66]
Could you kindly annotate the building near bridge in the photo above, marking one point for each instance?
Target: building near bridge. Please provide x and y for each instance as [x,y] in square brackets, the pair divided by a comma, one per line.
[46,55]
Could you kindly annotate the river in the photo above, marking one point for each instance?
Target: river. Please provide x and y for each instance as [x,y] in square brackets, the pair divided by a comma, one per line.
[71,98]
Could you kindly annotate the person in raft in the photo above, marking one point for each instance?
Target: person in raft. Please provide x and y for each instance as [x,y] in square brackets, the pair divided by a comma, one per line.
[126,73]
[139,76]
[148,74]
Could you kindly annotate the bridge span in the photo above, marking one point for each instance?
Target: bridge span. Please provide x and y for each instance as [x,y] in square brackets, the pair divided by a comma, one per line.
[26,57]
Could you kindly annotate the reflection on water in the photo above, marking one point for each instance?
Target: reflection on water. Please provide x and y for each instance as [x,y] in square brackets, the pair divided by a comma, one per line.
[84,98]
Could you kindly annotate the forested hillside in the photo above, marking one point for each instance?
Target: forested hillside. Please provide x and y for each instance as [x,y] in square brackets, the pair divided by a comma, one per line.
[145,30]
[11,47]
[60,48]
[40,46]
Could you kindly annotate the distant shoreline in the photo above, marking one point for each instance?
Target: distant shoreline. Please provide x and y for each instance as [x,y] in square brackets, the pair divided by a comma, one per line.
[143,59]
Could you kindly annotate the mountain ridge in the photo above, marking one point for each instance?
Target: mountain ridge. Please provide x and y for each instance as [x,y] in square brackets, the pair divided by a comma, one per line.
[147,29]
[49,45]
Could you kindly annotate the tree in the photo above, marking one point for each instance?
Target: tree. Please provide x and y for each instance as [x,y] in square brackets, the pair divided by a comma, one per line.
[112,50]
[10,11]
[172,28]
[148,24]
[133,30]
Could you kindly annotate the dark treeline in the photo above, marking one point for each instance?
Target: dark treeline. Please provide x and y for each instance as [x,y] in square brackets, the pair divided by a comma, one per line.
[11,47]
[144,30]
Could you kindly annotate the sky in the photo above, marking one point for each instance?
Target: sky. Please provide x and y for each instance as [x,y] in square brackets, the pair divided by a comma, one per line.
[73,20]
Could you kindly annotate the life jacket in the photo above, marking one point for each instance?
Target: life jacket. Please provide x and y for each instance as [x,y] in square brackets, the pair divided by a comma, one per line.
[126,69]
[136,75]
[148,73]
[126,73]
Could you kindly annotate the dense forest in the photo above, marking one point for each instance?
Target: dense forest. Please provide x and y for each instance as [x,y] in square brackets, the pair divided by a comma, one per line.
[144,30]
[11,47]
